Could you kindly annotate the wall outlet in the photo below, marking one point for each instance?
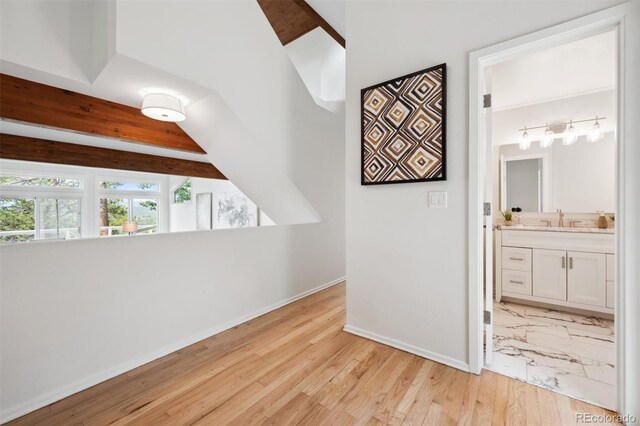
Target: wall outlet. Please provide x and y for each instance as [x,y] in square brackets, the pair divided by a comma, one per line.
[438,199]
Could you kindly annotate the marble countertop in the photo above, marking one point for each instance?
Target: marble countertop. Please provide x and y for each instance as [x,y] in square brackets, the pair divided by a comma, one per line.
[556,229]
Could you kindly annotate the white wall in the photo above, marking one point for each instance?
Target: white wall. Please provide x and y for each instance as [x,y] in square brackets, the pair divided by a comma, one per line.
[74,313]
[77,312]
[407,264]
[320,61]
[79,41]
[507,122]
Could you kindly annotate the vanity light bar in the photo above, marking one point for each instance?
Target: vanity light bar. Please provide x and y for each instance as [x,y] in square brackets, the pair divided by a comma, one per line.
[598,118]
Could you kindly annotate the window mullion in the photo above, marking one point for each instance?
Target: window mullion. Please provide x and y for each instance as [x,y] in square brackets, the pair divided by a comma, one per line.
[36,221]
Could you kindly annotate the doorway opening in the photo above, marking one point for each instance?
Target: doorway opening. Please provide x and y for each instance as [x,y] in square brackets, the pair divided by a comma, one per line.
[550,183]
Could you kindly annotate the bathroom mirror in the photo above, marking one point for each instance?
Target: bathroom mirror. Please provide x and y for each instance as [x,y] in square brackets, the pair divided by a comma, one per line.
[523,182]
[578,178]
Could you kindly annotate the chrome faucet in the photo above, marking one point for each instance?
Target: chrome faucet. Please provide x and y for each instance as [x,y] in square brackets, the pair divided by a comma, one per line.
[560,218]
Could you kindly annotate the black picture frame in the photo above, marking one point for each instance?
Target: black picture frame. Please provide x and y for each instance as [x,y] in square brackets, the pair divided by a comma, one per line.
[443,174]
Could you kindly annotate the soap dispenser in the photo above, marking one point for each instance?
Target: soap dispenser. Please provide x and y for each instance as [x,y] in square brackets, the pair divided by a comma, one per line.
[602,221]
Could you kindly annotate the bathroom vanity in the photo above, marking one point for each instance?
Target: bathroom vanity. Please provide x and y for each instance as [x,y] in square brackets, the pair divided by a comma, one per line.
[565,267]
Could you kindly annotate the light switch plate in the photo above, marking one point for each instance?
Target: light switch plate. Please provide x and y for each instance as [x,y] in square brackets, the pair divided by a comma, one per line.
[438,199]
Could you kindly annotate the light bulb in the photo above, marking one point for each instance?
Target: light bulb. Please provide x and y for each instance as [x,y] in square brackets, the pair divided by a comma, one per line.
[525,143]
[569,135]
[596,133]
[547,139]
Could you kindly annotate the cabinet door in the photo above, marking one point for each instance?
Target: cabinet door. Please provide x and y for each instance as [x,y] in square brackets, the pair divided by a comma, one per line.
[550,274]
[587,278]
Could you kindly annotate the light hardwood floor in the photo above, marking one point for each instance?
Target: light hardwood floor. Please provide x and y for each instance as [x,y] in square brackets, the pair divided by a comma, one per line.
[296,366]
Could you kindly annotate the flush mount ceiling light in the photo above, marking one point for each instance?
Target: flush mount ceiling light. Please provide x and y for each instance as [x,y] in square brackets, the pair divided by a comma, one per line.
[163,107]
[525,143]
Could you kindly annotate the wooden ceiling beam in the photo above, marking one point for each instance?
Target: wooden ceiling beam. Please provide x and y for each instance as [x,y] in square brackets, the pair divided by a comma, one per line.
[291,19]
[13,147]
[35,103]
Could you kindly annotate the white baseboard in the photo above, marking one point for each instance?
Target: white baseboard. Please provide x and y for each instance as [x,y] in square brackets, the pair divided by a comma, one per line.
[99,377]
[408,348]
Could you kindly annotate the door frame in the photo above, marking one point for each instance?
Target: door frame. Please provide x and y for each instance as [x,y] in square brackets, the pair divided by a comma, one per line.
[599,22]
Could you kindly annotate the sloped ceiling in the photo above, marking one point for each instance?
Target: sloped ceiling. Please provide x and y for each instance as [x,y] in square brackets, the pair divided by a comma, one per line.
[332,11]
[247,106]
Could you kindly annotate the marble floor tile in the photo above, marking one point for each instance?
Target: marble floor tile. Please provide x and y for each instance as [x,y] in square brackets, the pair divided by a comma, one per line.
[597,339]
[513,308]
[599,371]
[511,332]
[576,321]
[588,390]
[552,329]
[510,366]
[568,353]
[539,356]
[573,347]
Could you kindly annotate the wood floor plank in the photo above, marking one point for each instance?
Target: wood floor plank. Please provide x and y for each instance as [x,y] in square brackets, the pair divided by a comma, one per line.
[501,401]
[386,409]
[483,411]
[533,407]
[549,412]
[469,400]
[516,406]
[295,365]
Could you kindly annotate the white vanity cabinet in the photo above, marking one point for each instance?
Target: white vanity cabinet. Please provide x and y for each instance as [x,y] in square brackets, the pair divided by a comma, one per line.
[587,278]
[571,269]
[550,274]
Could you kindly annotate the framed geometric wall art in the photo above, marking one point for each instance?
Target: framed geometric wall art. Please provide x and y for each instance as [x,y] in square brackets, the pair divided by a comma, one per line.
[404,128]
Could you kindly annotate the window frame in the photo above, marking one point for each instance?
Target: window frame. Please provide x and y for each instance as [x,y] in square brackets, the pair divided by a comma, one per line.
[172,192]
[38,193]
[130,195]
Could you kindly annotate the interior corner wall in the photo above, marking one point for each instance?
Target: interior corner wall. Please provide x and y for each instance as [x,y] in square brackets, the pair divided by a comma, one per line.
[407,265]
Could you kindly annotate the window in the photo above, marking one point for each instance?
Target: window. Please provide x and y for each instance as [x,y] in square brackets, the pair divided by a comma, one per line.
[182,194]
[39,207]
[17,219]
[121,201]
[129,186]
[13,181]
[58,218]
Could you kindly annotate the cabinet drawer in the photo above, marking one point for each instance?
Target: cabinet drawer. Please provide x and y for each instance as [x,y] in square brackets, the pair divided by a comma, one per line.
[516,259]
[611,294]
[516,282]
[611,267]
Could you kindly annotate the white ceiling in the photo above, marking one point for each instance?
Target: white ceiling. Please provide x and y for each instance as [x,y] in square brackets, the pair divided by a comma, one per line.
[332,11]
[576,68]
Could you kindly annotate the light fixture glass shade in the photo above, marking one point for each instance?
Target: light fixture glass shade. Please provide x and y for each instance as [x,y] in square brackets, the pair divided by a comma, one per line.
[596,132]
[163,107]
[525,143]
[570,136]
[547,139]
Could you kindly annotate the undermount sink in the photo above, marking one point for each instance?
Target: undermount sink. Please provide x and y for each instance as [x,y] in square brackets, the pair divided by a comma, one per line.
[555,229]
